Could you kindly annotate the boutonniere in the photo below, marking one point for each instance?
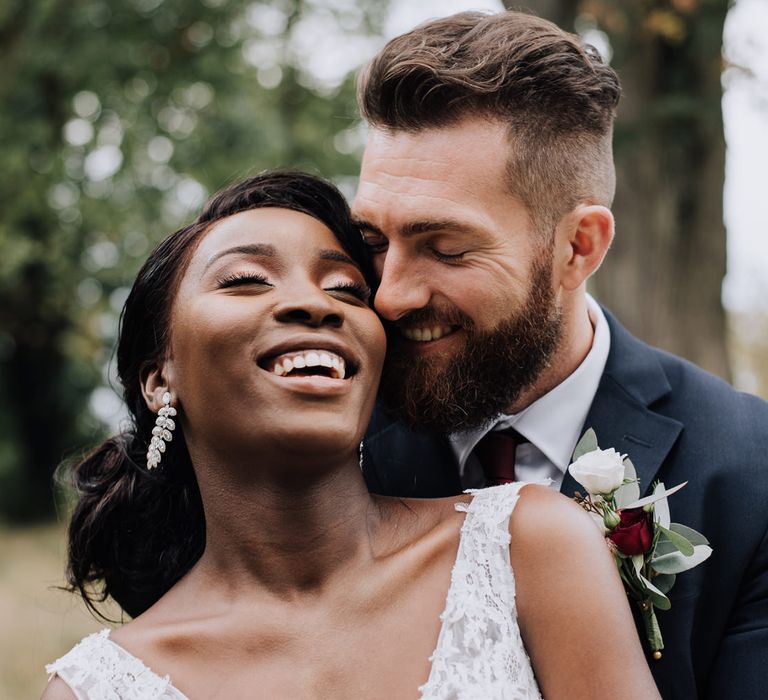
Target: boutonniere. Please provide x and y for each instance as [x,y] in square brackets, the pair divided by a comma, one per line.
[649,549]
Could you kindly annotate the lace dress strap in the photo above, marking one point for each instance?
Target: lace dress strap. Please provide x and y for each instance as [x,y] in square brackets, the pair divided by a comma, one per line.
[480,653]
[99,669]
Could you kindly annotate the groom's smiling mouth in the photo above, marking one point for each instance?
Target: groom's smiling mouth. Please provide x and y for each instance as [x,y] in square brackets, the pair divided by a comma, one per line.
[427,333]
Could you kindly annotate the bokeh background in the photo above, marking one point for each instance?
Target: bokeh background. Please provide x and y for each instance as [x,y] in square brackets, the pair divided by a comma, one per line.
[119,117]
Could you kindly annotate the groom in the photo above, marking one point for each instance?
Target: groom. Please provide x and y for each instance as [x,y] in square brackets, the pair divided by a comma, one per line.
[485,198]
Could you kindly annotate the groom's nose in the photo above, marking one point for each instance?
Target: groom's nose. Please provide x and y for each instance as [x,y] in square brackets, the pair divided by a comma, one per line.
[402,288]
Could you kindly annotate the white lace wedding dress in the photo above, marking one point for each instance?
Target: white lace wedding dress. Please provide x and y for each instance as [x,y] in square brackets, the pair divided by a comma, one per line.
[479,654]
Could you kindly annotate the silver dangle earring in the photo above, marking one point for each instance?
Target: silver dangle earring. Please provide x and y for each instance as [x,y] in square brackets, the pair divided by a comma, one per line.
[162,432]
[360,459]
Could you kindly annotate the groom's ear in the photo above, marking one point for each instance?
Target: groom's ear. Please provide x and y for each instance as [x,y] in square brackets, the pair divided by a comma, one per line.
[155,378]
[583,237]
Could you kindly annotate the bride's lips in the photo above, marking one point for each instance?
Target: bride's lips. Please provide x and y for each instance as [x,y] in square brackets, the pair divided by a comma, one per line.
[311,364]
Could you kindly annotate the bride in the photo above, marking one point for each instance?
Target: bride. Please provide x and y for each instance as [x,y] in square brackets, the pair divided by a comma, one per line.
[232,522]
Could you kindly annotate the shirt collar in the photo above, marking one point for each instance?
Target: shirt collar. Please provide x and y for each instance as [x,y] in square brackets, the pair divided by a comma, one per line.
[553,422]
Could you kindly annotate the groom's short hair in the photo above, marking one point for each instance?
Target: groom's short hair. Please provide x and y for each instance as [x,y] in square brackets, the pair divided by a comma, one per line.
[557,96]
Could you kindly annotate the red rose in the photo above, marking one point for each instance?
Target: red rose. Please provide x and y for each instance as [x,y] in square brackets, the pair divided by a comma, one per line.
[633,534]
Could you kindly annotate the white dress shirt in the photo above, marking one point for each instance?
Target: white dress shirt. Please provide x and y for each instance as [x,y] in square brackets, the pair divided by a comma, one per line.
[552,424]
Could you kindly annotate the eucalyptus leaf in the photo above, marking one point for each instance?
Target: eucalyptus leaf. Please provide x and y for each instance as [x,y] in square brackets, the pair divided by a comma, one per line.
[630,575]
[630,490]
[675,562]
[664,582]
[655,497]
[588,443]
[630,473]
[661,507]
[665,546]
[689,533]
[683,545]
[657,597]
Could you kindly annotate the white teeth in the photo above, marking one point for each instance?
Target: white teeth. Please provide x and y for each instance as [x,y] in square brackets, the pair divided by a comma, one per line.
[426,334]
[285,364]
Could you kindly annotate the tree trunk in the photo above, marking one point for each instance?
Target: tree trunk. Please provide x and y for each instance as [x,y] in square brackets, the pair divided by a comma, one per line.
[663,275]
[561,12]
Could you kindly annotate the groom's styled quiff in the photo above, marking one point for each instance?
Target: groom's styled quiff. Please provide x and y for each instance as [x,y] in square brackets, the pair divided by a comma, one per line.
[557,96]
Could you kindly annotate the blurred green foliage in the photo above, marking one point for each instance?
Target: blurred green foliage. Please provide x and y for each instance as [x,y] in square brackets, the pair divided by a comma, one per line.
[117,120]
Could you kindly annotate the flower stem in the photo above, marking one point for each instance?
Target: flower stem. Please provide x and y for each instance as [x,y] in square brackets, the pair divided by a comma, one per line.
[652,629]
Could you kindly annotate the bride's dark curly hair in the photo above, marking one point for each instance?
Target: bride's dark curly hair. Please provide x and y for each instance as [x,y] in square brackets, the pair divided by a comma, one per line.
[135,532]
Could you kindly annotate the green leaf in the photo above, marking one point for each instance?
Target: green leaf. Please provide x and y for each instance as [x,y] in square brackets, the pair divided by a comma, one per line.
[661,508]
[664,546]
[637,561]
[681,543]
[689,533]
[588,443]
[657,597]
[675,562]
[656,496]
[630,576]
[664,582]
[630,490]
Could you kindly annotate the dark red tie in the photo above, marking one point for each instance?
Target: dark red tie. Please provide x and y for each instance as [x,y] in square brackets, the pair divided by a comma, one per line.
[496,452]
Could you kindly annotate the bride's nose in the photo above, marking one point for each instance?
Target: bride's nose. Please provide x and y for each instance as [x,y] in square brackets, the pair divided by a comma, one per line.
[310,306]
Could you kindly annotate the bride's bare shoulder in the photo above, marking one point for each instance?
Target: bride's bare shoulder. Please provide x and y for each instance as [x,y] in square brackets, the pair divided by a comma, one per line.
[57,689]
[542,514]
[570,597]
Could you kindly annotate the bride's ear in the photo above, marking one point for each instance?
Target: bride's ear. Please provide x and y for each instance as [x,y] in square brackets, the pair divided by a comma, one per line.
[156,379]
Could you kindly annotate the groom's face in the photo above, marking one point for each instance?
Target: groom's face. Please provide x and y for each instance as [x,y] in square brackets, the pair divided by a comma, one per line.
[466,280]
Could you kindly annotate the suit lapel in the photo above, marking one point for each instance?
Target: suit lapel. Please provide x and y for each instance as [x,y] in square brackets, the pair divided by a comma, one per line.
[621,412]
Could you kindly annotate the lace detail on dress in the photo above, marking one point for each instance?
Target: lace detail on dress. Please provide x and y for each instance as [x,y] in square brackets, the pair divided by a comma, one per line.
[480,654]
[99,669]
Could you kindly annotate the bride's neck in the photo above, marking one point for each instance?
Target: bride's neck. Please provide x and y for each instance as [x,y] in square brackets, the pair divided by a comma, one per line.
[286,528]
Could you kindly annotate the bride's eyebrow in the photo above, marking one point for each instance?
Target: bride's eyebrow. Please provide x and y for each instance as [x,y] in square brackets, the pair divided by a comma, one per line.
[263,250]
[336,256]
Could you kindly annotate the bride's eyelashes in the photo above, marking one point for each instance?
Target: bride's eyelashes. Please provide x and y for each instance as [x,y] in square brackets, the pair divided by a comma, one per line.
[238,279]
[359,291]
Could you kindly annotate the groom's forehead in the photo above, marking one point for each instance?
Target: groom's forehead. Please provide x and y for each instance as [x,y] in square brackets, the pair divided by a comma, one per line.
[441,171]
[471,139]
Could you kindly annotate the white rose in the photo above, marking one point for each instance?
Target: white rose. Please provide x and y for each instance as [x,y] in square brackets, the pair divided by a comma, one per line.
[599,471]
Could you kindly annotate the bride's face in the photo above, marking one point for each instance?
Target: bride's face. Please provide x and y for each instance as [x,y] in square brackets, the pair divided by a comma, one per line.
[273,344]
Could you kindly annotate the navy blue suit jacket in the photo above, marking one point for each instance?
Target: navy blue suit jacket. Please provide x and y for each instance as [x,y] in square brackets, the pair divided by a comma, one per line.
[677,423]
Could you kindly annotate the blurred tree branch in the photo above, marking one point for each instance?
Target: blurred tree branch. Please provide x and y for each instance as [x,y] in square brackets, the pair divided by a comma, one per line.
[117,120]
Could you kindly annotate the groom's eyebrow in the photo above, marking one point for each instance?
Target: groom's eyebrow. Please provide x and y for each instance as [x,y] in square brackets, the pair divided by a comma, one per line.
[415,227]
[263,250]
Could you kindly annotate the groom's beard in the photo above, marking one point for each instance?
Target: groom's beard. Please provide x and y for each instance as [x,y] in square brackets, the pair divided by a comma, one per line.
[485,377]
